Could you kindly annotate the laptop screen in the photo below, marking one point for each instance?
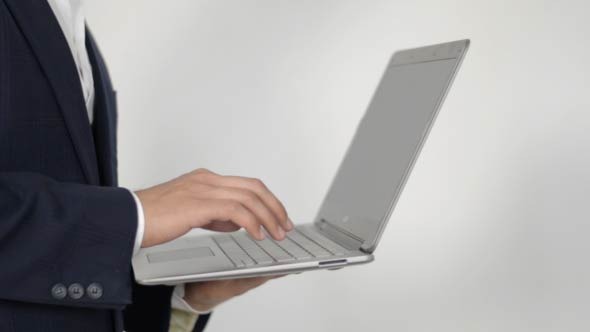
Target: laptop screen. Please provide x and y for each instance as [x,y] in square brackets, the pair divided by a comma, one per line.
[388,140]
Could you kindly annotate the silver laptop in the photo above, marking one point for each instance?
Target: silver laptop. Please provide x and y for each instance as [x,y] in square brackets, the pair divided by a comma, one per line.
[357,207]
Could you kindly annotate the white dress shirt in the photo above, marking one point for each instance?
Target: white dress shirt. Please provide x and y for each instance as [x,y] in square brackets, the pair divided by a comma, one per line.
[70,16]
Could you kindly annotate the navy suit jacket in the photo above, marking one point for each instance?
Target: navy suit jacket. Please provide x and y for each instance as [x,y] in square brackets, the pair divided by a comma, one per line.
[63,220]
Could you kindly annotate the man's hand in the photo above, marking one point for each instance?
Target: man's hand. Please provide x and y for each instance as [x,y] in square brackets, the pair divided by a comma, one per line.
[204,296]
[203,199]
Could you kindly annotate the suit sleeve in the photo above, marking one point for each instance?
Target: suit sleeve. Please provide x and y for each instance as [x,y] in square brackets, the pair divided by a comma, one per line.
[54,233]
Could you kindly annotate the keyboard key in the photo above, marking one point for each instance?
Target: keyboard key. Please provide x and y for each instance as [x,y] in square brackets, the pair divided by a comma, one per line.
[293,249]
[310,246]
[330,245]
[248,261]
[233,251]
[275,251]
[252,249]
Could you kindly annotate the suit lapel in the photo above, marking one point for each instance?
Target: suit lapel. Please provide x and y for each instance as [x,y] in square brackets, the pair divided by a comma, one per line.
[105,117]
[39,26]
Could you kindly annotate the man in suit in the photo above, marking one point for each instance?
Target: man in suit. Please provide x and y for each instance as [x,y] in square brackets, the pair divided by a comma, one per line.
[67,230]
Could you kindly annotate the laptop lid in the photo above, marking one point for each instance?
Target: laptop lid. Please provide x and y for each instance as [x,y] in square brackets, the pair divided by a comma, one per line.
[387,142]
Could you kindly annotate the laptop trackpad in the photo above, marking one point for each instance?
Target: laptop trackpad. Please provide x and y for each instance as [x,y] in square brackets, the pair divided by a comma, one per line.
[179,254]
[184,256]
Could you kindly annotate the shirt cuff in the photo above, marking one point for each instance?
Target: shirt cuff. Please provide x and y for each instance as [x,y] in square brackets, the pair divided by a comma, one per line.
[140,224]
[179,303]
[182,321]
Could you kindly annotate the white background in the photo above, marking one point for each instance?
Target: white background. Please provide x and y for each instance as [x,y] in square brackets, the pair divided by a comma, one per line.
[492,231]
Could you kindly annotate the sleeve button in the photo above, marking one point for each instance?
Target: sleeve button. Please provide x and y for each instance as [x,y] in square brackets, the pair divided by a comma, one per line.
[94,291]
[59,291]
[76,291]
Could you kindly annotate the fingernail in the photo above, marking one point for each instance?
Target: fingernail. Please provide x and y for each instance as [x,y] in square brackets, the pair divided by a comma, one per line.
[290,222]
[261,236]
[281,233]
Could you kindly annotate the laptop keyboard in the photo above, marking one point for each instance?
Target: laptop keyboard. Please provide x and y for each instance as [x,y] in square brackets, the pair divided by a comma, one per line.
[300,244]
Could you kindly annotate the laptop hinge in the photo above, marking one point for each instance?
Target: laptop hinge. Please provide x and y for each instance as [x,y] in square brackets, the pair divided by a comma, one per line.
[340,235]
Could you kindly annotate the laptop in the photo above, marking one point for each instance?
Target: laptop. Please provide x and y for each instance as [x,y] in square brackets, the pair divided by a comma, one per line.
[359,202]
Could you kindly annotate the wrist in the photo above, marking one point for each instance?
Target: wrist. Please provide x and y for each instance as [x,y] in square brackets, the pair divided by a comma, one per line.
[181,302]
[198,304]
[202,308]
